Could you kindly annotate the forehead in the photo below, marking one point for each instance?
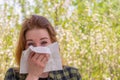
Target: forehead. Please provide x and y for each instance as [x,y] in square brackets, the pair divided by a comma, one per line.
[36,33]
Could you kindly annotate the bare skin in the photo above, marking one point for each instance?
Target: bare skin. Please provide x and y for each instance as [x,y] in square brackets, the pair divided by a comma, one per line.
[37,62]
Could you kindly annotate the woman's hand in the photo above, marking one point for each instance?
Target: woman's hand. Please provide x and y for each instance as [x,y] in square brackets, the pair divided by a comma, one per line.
[36,65]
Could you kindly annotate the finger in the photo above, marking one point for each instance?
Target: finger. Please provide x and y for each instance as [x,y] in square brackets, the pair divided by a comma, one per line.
[47,56]
[31,55]
[41,57]
[36,56]
[39,60]
[44,60]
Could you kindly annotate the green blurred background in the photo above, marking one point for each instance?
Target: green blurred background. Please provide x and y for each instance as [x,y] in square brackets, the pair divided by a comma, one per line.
[88,33]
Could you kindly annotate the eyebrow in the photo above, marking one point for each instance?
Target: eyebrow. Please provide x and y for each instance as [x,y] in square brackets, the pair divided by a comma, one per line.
[43,38]
[29,40]
[40,39]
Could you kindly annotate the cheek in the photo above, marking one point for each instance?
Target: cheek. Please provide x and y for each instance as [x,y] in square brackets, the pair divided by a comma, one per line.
[49,42]
[26,46]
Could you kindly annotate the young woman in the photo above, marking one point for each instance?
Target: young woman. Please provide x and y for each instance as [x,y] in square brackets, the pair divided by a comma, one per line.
[37,31]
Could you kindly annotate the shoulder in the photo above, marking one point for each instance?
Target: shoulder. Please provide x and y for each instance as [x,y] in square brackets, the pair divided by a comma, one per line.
[71,70]
[12,74]
[12,70]
[68,73]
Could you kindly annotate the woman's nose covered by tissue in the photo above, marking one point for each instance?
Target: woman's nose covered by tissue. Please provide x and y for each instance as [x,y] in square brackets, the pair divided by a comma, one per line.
[41,50]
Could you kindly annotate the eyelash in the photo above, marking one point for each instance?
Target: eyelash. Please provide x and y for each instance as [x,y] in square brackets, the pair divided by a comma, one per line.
[44,42]
[30,44]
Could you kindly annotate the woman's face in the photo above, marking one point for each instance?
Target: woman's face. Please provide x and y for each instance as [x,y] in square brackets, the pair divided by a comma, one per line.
[37,37]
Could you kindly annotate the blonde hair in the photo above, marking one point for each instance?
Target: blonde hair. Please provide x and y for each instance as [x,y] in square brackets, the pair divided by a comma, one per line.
[34,21]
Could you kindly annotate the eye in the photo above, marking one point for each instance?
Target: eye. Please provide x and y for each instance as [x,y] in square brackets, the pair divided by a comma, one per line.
[30,44]
[43,43]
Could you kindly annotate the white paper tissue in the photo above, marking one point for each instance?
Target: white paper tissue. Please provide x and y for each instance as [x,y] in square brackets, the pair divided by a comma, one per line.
[54,62]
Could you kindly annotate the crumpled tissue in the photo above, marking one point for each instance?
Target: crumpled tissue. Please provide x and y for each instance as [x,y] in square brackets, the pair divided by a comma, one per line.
[54,62]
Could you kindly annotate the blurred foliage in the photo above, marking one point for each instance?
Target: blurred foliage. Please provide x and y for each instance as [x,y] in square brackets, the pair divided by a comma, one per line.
[88,33]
